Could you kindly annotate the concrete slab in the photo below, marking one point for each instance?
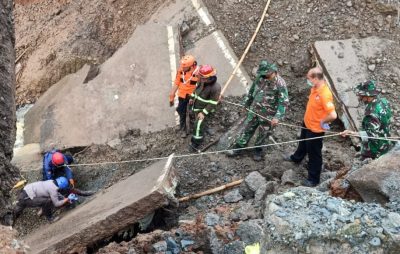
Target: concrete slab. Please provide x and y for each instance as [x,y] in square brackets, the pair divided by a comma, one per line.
[40,121]
[130,92]
[214,49]
[345,65]
[28,158]
[109,212]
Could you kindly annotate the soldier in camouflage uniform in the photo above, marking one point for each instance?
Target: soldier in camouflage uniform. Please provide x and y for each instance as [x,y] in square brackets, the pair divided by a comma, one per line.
[268,97]
[376,121]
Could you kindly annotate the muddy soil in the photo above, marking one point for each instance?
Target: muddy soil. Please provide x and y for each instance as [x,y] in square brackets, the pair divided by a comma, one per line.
[56,38]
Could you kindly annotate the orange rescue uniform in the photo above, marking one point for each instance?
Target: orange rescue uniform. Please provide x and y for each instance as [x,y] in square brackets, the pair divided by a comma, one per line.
[320,104]
[186,81]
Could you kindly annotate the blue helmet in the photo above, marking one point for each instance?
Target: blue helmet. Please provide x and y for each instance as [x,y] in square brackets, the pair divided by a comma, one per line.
[62,182]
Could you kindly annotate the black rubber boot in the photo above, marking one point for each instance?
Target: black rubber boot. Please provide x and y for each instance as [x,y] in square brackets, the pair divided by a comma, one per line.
[193,147]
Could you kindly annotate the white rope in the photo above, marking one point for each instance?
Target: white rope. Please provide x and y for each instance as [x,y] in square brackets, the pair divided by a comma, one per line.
[201,153]
[394,139]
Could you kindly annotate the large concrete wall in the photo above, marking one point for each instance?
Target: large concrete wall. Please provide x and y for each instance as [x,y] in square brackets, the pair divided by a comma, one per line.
[7,93]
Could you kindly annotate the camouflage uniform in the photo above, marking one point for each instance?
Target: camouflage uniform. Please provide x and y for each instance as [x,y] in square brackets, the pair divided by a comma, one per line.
[267,98]
[376,122]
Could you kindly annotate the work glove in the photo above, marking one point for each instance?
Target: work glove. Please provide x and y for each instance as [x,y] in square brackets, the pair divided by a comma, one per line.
[72,197]
[325,126]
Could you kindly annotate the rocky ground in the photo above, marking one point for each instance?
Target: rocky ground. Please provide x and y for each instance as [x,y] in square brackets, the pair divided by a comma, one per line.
[9,244]
[290,29]
[225,222]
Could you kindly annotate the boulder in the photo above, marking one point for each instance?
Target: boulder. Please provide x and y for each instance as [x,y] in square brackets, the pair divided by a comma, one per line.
[378,181]
[304,220]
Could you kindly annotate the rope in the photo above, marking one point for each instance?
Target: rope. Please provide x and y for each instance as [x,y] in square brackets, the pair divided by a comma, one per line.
[247,49]
[394,139]
[202,153]
[331,134]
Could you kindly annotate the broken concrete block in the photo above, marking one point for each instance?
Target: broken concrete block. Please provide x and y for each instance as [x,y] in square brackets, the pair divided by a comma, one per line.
[125,95]
[111,210]
[214,49]
[348,70]
[378,181]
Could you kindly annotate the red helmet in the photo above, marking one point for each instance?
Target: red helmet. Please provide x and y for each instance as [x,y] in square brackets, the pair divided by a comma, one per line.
[207,71]
[57,159]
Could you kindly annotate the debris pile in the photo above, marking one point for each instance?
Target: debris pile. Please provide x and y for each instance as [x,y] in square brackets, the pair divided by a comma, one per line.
[9,244]
[304,220]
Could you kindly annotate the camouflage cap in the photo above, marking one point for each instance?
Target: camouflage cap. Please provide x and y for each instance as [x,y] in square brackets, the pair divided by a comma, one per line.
[265,68]
[367,88]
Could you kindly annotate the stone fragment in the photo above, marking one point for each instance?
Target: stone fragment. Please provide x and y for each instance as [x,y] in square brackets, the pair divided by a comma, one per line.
[250,232]
[233,196]
[211,219]
[254,180]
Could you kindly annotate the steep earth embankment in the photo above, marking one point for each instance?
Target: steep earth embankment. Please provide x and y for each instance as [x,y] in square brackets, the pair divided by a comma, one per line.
[56,38]
[7,109]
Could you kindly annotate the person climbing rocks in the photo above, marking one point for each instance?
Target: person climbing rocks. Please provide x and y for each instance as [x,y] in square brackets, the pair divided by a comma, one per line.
[55,164]
[203,102]
[43,194]
[320,112]
[267,99]
[185,83]
[376,122]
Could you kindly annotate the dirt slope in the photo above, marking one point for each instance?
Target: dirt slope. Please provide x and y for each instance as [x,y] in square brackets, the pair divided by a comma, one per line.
[56,38]
[292,26]
[7,109]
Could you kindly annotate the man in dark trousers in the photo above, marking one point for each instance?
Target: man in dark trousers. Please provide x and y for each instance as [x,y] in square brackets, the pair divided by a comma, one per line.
[203,102]
[319,113]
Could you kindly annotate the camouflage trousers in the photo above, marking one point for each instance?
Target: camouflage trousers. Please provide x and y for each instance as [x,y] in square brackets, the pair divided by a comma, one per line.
[252,123]
[375,148]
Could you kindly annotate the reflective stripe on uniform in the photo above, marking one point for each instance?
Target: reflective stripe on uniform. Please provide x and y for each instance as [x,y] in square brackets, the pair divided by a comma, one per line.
[205,101]
[205,111]
[197,135]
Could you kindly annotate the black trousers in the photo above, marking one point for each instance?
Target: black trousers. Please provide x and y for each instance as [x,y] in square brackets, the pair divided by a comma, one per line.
[312,148]
[24,201]
[181,109]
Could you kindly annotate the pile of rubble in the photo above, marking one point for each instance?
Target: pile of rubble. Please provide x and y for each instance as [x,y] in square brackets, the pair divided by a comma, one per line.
[9,244]
[304,220]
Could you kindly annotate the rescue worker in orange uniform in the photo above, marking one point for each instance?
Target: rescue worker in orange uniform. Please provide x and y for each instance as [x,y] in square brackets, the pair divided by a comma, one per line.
[320,112]
[185,84]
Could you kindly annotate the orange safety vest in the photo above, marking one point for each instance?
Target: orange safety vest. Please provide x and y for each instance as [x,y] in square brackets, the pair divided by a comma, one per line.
[320,104]
[186,81]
